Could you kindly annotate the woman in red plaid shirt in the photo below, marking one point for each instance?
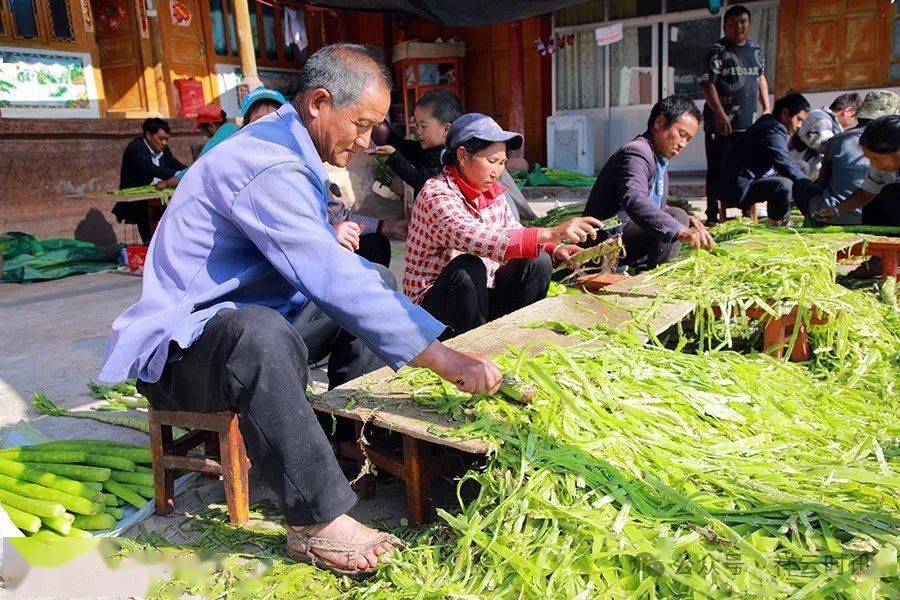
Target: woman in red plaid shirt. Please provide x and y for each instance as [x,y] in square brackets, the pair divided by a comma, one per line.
[468,260]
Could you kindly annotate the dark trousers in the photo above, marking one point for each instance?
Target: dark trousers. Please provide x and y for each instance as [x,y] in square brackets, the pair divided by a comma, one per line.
[884,209]
[252,361]
[805,193]
[774,191]
[375,248]
[461,299]
[645,251]
[717,146]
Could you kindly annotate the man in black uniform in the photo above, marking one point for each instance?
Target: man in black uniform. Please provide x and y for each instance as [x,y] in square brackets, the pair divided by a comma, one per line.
[736,92]
[147,160]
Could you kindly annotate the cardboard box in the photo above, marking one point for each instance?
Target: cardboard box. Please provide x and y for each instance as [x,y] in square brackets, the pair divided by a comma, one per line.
[417,49]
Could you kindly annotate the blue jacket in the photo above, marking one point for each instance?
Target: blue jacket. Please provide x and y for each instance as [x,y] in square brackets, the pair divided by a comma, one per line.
[247,226]
[759,151]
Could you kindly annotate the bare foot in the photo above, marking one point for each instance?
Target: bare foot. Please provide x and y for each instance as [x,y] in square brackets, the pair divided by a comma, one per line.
[346,530]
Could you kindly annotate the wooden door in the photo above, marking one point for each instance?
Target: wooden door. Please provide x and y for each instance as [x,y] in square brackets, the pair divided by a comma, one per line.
[186,43]
[121,62]
[840,44]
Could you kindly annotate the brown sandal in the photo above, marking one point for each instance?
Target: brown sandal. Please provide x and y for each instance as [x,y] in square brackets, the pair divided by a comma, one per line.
[301,547]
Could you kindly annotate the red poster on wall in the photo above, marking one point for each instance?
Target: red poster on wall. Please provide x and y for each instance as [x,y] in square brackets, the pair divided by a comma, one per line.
[112,15]
[181,13]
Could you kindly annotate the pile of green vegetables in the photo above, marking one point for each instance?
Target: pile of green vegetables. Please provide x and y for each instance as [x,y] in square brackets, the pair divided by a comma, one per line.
[640,471]
[781,271]
[163,195]
[66,488]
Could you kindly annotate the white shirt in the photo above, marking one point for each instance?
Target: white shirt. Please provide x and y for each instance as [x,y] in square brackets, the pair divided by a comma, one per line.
[155,157]
[877,179]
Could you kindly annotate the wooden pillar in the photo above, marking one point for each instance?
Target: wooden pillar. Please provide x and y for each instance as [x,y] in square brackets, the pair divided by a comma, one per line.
[516,81]
[245,48]
[164,98]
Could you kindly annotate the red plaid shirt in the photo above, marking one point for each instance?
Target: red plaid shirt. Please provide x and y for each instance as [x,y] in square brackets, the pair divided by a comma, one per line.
[452,218]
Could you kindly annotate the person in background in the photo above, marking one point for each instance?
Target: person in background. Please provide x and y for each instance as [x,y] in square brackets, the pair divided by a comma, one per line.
[213,122]
[417,161]
[844,165]
[147,160]
[468,261]
[879,194]
[736,92]
[367,236]
[259,103]
[760,169]
[634,184]
[807,145]
[242,249]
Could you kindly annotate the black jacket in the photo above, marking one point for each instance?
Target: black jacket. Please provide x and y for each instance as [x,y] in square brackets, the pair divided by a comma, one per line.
[412,164]
[138,168]
[760,149]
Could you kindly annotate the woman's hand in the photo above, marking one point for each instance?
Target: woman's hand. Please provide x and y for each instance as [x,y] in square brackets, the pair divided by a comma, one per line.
[576,230]
[347,233]
[381,150]
[564,252]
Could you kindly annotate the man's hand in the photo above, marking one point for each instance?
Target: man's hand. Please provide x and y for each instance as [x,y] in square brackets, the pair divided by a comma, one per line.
[696,223]
[825,214]
[381,150]
[470,372]
[723,124]
[395,229]
[696,238]
[347,233]
[564,252]
[167,183]
[577,230]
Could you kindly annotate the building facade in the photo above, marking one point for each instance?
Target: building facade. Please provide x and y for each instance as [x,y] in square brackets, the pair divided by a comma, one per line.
[818,47]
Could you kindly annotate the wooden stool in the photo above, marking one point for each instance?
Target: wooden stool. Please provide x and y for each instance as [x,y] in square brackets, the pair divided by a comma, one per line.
[417,462]
[777,332]
[224,456]
[889,252]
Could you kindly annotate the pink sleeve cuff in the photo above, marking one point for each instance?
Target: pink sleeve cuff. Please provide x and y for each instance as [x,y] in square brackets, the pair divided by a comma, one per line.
[522,244]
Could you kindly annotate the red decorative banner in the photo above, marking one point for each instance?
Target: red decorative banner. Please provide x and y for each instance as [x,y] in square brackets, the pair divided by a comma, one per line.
[87,16]
[181,13]
[112,15]
[143,24]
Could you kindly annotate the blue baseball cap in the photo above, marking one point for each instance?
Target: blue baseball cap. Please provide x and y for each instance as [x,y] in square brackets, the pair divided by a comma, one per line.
[260,93]
[476,125]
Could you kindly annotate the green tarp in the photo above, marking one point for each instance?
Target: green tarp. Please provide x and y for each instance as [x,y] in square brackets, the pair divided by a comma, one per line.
[25,258]
[543,177]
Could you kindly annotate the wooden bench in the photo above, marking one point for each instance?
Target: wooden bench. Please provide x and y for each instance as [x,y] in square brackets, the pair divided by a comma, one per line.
[375,401]
[224,456]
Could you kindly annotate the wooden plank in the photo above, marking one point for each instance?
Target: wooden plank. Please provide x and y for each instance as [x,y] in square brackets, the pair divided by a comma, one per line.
[106,196]
[373,397]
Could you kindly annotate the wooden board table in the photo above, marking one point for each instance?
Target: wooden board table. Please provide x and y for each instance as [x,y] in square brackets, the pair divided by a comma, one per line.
[374,400]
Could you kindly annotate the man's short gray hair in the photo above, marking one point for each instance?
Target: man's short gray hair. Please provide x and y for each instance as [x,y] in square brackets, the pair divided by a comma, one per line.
[344,70]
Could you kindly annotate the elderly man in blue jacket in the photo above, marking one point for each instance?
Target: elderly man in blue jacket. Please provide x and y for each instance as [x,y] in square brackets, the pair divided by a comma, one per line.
[243,247]
[760,169]
[634,184]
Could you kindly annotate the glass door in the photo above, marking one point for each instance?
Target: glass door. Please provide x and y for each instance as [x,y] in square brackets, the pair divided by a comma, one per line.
[633,83]
[687,45]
